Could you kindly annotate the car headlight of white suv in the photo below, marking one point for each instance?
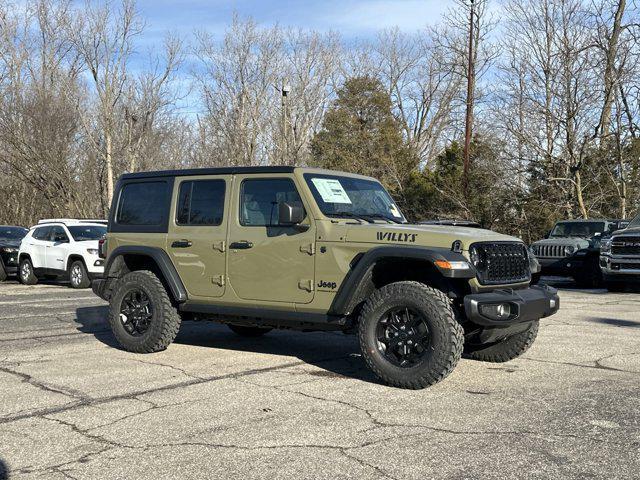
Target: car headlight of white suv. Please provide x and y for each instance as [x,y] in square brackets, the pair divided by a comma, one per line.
[92,251]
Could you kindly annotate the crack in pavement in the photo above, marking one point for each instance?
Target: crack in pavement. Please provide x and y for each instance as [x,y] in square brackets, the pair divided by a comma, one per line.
[26,378]
[166,365]
[597,364]
[89,401]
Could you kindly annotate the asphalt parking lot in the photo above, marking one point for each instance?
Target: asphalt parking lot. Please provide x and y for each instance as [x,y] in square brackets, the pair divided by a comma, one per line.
[303,405]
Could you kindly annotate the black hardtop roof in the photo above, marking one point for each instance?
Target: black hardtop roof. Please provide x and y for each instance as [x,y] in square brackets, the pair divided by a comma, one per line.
[591,220]
[208,171]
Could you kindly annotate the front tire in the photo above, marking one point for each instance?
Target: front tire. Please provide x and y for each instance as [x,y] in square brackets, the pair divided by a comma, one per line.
[78,275]
[3,273]
[141,314]
[409,335]
[504,350]
[26,275]
[245,331]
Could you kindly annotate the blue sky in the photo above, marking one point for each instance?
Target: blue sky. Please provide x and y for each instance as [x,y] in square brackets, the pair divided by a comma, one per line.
[351,18]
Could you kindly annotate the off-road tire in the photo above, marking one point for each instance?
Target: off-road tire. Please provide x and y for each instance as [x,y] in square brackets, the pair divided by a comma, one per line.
[504,350]
[84,281]
[3,273]
[245,331]
[26,278]
[616,287]
[447,335]
[165,321]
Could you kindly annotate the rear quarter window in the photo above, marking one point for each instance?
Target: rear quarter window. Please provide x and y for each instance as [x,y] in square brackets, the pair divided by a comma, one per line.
[142,207]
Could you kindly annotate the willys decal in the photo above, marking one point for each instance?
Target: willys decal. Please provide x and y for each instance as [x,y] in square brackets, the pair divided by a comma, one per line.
[397,237]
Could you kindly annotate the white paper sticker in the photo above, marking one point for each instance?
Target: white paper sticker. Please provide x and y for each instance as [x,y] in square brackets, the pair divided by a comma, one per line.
[331,190]
[394,211]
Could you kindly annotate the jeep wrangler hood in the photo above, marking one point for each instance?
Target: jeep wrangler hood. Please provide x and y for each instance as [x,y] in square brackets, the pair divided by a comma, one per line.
[422,235]
[578,243]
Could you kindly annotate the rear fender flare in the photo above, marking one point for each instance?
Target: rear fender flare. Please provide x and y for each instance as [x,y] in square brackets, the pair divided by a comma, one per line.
[116,264]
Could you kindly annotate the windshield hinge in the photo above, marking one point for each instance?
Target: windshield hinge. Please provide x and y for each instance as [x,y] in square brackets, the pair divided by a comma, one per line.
[309,248]
[306,285]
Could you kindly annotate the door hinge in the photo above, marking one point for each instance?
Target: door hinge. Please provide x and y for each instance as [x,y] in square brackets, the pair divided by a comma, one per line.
[306,285]
[220,246]
[218,280]
[310,248]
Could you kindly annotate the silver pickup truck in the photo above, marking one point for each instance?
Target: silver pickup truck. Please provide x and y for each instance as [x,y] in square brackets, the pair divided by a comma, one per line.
[620,257]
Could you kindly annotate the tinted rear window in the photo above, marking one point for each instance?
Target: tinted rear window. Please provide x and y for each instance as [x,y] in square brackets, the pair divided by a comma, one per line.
[142,203]
[201,202]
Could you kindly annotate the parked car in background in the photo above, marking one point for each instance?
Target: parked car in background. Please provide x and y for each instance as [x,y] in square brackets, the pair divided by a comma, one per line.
[572,249]
[620,257]
[452,223]
[10,238]
[62,248]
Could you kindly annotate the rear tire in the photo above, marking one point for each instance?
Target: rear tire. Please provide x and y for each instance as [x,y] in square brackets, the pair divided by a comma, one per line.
[505,350]
[78,275]
[26,274]
[431,324]
[141,314]
[3,273]
[244,331]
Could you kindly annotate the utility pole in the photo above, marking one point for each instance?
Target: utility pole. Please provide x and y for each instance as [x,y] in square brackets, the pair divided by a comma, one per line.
[286,88]
[469,115]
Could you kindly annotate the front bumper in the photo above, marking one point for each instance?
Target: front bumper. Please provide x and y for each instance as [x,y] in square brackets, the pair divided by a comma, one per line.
[525,305]
[561,266]
[620,268]
[10,262]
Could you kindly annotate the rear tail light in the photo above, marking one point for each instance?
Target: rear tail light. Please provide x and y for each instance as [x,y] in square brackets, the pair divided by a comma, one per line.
[102,248]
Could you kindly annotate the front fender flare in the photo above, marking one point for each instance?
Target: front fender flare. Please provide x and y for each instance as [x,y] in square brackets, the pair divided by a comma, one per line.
[350,291]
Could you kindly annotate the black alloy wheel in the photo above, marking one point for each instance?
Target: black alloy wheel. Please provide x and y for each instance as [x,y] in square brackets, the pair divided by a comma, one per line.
[136,312]
[403,337]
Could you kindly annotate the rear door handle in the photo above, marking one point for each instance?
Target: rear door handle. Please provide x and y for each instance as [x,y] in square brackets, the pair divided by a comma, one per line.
[241,245]
[181,244]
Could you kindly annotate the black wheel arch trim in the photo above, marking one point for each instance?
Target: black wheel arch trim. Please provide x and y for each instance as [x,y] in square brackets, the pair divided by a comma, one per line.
[160,258]
[347,296]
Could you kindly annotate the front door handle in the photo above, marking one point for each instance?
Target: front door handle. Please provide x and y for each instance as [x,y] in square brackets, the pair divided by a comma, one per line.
[181,244]
[241,245]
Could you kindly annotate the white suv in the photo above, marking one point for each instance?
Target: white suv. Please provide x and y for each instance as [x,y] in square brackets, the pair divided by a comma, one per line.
[62,247]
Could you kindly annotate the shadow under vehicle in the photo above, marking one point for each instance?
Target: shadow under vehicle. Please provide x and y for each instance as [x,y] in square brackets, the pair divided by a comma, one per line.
[572,249]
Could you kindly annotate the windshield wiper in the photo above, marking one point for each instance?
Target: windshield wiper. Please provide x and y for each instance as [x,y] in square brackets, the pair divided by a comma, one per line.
[352,215]
[382,216]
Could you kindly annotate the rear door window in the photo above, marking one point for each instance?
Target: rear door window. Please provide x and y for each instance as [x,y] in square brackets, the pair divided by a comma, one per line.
[201,202]
[42,233]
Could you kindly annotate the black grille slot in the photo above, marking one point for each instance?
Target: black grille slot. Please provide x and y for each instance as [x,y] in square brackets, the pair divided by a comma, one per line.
[502,263]
[625,246]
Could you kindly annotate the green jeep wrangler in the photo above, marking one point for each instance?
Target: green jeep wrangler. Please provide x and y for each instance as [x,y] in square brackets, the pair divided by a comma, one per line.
[259,248]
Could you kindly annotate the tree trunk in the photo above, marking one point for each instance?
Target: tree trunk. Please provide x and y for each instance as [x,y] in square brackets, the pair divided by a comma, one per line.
[109,165]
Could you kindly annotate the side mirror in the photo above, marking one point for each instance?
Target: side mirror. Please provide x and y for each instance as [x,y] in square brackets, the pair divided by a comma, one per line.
[289,215]
[548,234]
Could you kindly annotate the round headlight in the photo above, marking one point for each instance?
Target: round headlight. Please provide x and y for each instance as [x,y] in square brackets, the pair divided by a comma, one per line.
[477,257]
[569,250]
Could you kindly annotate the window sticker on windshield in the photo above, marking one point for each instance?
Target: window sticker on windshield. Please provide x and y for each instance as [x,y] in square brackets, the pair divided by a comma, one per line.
[331,190]
[394,211]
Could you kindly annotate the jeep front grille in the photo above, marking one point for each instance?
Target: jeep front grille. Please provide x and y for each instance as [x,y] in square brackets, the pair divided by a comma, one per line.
[549,251]
[625,246]
[502,263]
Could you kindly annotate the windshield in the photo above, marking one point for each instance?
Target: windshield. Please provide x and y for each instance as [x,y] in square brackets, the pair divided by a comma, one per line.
[577,229]
[13,233]
[80,233]
[635,223]
[339,196]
